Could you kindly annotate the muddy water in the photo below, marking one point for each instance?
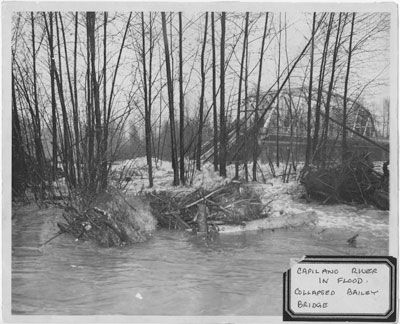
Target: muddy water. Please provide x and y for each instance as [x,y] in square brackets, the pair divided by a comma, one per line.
[172,274]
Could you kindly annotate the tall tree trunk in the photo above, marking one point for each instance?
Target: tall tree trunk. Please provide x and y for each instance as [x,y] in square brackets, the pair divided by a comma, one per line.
[147,116]
[104,139]
[76,110]
[89,132]
[346,83]
[320,89]
[308,147]
[181,107]
[256,116]
[171,17]
[246,28]
[151,47]
[53,97]
[223,139]
[325,132]
[170,101]
[246,102]
[277,100]
[214,93]
[36,120]
[71,171]
[99,159]
[292,117]
[66,152]
[35,97]
[201,111]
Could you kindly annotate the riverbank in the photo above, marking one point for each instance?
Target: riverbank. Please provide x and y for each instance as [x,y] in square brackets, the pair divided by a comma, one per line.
[281,199]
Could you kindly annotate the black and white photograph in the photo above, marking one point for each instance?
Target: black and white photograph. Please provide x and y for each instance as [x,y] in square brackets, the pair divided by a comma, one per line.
[175,159]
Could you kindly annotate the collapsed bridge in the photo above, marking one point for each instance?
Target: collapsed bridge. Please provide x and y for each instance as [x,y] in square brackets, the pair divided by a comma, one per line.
[285,122]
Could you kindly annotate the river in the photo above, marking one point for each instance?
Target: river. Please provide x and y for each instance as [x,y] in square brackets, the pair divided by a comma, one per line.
[173,273]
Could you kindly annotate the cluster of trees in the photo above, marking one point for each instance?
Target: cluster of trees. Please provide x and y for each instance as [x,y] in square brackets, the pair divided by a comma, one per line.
[84,82]
[344,40]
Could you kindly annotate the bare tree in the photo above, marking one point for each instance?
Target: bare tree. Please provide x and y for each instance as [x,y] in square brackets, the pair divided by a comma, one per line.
[201,110]
[110,102]
[181,106]
[76,110]
[67,158]
[214,94]
[147,116]
[242,62]
[308,147]
[53,95]
[256,113]
[346,82]
[89,131]
[222,120]
[325,132]
[246,103]
[70,151]
[104,140]
[36,117]
[320,88]
[170,101]
[277,83]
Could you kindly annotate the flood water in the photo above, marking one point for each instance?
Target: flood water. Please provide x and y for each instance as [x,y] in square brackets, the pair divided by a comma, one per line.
[174,273]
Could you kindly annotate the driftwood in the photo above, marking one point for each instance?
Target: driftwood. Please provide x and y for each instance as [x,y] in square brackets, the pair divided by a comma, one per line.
[179,219]
[232,204]
[355,181]
[204,198]
[53,237]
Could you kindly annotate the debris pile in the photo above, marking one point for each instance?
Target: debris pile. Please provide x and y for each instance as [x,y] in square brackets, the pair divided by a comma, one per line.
[111,219]
[230,204]
[354,181]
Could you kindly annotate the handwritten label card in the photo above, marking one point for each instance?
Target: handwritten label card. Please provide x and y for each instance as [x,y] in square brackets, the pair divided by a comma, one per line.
[347,288]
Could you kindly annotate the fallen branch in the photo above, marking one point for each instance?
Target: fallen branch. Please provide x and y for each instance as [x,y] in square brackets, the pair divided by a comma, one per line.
[180,220]
[53,237]
[205,197]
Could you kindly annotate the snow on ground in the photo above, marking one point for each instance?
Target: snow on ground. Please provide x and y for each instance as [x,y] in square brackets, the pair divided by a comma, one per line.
[133,175]
[281,198]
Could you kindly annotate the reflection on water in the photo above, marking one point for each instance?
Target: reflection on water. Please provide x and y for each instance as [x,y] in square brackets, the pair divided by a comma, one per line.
[172,274]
